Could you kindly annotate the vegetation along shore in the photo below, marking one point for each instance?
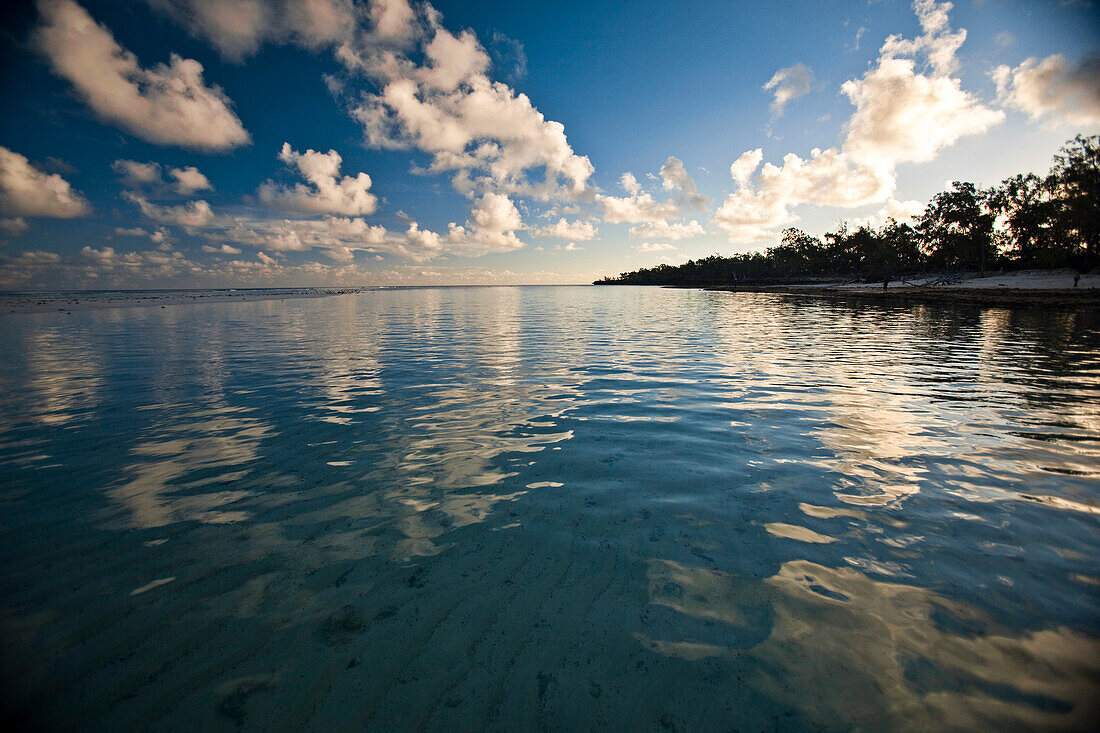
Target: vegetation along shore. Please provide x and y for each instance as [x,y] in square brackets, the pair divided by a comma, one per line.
[1039,235]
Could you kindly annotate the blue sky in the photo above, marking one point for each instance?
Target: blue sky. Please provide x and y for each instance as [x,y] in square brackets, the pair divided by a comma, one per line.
[194,143]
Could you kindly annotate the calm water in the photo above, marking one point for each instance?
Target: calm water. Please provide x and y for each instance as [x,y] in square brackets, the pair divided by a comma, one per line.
[550,508]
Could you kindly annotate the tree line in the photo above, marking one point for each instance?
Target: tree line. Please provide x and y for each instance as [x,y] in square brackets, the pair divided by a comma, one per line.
[1026,222]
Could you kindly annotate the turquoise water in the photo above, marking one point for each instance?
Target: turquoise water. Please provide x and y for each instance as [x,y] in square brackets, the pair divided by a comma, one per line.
[562,508]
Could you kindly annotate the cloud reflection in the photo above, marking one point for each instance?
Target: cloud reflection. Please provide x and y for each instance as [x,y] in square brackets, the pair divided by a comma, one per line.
[845,649]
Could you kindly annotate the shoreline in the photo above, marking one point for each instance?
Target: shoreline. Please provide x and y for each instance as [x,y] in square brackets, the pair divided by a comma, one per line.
[1005,296]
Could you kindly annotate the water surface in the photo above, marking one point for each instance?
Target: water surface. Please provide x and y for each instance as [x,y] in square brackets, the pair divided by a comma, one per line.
[550,508]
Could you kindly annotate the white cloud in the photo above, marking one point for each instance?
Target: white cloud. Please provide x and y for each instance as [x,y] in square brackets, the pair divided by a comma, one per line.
[827,178]
[393,19]
[666,230]
[741,170]
[431,87]
[646,247]
[572,247]
[789,83]
[143,175]
[166,105]
[27,191]
[637,206]
[674,177]
[14,227]
[748,215]
[453,60]
[424,243]
[135,174]
[189,180]
[326,193]
[492,228]
[937,44]
[280,235]
[224,249]
[489,136]
[134,264]
[266,259]
[903,212]
[237,28]
[191,214]
[1052,89]
[578,230]
[161,235]
[901,115]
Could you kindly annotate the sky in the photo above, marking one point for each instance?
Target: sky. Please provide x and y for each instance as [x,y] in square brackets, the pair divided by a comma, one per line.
[283,143]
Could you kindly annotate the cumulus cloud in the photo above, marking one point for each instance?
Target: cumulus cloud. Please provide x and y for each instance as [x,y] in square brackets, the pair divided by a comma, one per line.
[902,115]
[224,249]
[135,174]
[189,180]
[646,247]
[444,103]
[903,212]
[393,20]
[491,228]
[27,191]
[1052,89]
[577,230]
[166,105]
[191,214]
[237,28]
[425,244]
[826,178]
[630,184]
[938,44]
[741,170]
[789,83]
[749,215]
[674,177]
[667,230]
[150,262]
[637,206]
[14,227]
[326,191]
[280,235]
[430,88]
[161,235]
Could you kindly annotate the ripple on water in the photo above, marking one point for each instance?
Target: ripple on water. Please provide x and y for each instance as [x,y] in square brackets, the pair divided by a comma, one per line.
[551,508]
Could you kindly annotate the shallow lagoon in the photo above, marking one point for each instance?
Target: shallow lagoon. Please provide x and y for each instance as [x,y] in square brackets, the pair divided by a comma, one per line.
[551,507]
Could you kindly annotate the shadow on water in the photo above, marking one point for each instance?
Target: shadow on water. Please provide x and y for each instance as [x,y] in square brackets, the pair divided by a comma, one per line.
[552,507]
